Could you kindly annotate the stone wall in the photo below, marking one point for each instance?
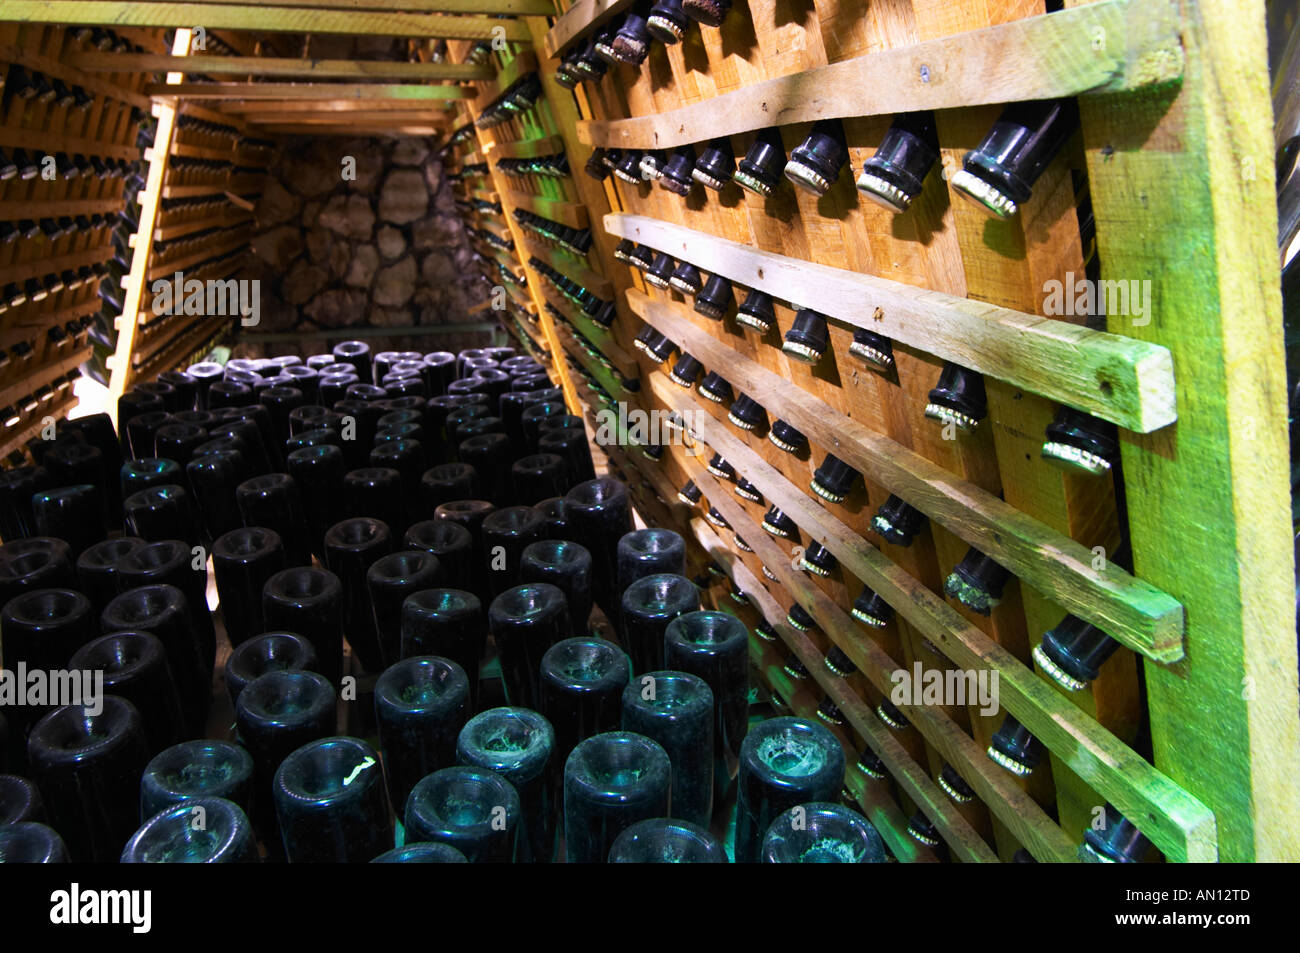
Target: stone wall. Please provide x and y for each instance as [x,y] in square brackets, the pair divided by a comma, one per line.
[384,249]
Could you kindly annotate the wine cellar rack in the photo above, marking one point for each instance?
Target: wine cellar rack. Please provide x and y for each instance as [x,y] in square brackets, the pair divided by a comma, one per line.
[947,283]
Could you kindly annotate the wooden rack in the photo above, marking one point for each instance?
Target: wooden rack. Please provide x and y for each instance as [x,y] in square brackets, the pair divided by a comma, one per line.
[1189,389]
[52,326]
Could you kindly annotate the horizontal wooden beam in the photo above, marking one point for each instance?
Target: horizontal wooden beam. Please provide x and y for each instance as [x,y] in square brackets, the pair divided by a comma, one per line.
[269,66]
[16,137]
[17,438]
[326,334]
[526,148]
[1042,57]
[68,72]
[571,214]
[1123,380]
[405,92]
[32,380]
[1176,822]
[259,19]
[1133,612]
[190,108]
[20,271]
[57,208]
[334,119]
[567,264]
[579,20]
[166,233]
[343,131]
[250,109]
[543,8]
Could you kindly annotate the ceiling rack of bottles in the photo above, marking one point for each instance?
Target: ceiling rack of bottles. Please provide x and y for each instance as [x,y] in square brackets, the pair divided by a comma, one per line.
[921,448]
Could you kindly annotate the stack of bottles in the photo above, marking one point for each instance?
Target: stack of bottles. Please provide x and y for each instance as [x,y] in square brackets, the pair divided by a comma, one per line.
[406,552]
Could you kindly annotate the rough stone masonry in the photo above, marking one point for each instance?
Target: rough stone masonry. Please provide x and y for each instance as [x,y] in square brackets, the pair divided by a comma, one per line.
[384,249]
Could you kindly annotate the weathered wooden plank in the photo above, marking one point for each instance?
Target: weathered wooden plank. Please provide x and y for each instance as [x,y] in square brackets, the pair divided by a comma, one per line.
[30,382]
[378,92]
[17,438]
[57,208]
[1121,379]
[1129,609]
[229,16]
[16,137]
[382,120]
[528,148]
[568,264]
[69,72]
[278,66]
[250,110]
[571,214]
[399,131]
[1041,57]
[21,270]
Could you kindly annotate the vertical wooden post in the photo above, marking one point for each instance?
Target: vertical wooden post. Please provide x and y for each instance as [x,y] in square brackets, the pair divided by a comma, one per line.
[1183,191]
[122,373]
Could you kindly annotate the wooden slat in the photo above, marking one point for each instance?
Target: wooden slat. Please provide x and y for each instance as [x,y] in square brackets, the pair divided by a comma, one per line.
[28,320]
[164,233]
[523,62]
[378,121]
[15,439]
[191,108]
[404,131]
[566,213]
[30,382]
[231,16]
[192,191]
[378,92]
[527,148]
[579,20]
[1121,379]
[254,110]
[57,208]
[1037,58]
[200,152]
[567,264]
[70,73]
[217,244]
[16,137]
[1130,610]
[39,267]
[276,66]
[1180,825]
[170,356]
